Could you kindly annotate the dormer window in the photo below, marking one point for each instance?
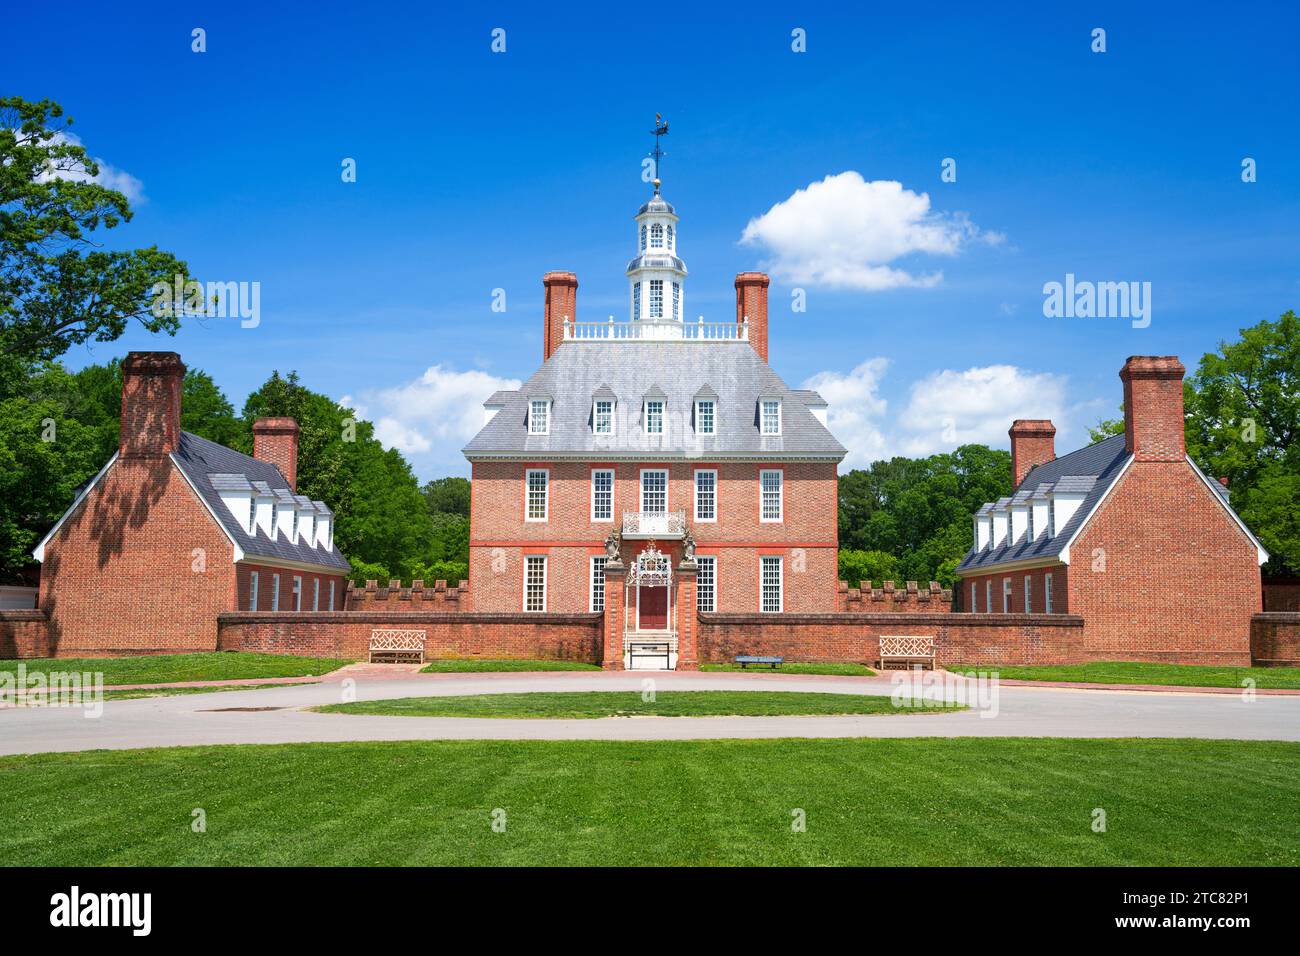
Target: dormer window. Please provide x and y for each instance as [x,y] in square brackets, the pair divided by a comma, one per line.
[705,417]
[770,416]
[654,416]
[1051,521]
[602,417]
[657,236]
[539,416]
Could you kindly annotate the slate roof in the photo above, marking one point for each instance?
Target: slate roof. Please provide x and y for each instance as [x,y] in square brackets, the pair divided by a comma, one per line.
[1089,471]
[576,371]
[211,467]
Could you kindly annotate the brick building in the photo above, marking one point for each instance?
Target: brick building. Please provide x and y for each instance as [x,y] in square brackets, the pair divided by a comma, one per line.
[654,467]
[176,529]
[1128,533]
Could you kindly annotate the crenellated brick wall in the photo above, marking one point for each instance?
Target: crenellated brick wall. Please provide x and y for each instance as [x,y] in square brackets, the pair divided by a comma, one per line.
[865,599]
[24,633]
[415,599]
[346,634]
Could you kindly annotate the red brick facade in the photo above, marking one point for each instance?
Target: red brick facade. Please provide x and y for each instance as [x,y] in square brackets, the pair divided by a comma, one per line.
[806,539]
[1275,639]
[751,307]
[864,599]
[561,303]
[275,440]
[1033,442]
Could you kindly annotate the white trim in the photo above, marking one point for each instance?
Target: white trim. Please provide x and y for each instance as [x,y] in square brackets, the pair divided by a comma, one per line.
[546,498]
[712,560]
[698,403]
[640,498]
[1260,553]
[780,582]
[545,572]
[1029,594]
[779,416]
[780,500]
[1064,553]
[39,552]
[591,583]
[695,495]
[539,401]
[645,415]
[1006,595]
[592,481]
[1047,593]
[613,415]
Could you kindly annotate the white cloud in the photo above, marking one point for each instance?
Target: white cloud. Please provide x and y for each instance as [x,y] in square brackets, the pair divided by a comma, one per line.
[845,232]
[855,410]
[109,175]
[944,409]
[431,418]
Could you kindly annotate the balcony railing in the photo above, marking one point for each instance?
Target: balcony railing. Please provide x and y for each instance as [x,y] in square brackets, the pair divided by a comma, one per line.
[664,525]
[656,331]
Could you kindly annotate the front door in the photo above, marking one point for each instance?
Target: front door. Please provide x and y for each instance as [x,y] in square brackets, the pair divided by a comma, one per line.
[653,605]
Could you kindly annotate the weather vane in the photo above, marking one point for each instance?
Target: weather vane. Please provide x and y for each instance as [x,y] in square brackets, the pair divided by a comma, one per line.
[661,129]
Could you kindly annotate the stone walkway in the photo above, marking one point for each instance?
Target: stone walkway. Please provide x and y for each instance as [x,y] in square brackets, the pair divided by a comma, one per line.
[282,714]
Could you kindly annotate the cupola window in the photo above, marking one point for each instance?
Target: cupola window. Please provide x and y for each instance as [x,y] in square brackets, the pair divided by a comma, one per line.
[657,236]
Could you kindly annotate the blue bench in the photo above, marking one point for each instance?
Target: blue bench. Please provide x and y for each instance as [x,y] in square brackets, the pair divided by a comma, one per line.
[744,660]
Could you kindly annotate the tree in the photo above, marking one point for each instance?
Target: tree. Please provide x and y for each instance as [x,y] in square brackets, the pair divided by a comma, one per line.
[381,516]
[1243,424]
[917,512]
[1107,427]
[57,289]
[447,496]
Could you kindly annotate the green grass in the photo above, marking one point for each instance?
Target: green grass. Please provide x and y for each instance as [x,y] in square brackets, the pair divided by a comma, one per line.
[974,801]
[1141,672]
[172,668]
[473,666]
[629,703]
[854,670]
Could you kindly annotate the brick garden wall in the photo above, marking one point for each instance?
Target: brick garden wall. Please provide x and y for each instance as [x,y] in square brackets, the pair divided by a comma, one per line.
[24,633]
[1275,638]
[346,634]
[959,638]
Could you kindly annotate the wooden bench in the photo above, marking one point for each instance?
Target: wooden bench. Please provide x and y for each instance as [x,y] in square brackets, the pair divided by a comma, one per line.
[744,660]
[396,645]
[906,650]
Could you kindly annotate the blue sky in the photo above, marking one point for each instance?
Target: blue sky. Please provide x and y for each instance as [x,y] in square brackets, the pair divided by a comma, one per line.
[478,171]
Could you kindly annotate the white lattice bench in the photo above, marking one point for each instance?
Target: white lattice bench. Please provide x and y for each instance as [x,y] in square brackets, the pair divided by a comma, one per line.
[906,650]
[396,644]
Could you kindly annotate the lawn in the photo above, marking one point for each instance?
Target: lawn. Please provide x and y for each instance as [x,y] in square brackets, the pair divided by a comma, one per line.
[629,703]
[1141,672]
[972,801]
[177,691]
[171,668]
[474,666]
[847,670]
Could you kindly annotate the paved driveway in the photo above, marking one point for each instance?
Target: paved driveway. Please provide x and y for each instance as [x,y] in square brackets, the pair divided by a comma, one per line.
[1022,712]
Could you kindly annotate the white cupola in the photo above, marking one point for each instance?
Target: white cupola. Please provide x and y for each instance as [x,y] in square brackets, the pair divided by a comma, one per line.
[657,275]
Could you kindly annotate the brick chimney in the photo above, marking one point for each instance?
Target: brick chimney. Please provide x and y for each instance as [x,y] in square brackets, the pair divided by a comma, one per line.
[751,306]
[151,404]
[275,441]
[1032,443]
[561,302]
[1153,407]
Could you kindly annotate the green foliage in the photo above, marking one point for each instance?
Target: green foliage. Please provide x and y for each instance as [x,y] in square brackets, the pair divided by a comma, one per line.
[381,516]
[1107,427]
[363,571]
[1243,423]
[453,572]
[447,496]
[916,513]
[58,288]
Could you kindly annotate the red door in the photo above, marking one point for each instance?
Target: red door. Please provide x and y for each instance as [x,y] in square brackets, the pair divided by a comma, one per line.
[654,608]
